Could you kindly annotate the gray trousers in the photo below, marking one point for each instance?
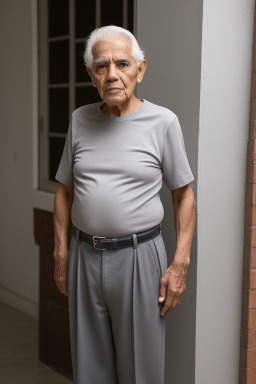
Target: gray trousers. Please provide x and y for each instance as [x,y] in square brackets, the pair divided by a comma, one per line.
[115,324]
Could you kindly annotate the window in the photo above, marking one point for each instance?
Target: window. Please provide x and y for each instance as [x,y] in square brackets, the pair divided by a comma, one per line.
[64,84]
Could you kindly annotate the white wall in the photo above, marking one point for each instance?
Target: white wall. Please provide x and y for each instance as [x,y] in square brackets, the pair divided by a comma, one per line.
[223,134]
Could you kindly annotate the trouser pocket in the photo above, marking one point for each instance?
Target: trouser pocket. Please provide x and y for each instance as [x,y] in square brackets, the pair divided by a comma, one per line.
[158,252]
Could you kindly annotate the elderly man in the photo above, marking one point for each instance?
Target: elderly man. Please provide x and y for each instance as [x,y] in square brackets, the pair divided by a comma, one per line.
[115,273]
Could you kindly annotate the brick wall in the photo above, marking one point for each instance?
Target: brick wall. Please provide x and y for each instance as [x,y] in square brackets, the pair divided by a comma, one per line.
[248,320]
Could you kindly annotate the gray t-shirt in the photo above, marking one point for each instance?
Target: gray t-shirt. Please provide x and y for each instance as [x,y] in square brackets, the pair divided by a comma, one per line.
[116,165]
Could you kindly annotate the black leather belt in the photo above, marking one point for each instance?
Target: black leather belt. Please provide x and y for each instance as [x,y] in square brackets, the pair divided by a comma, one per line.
[104,243]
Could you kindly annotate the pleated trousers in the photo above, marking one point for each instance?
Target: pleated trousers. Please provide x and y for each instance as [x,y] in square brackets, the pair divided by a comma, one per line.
[116,329]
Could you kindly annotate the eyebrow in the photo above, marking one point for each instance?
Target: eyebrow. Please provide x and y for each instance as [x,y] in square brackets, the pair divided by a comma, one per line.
[102,61]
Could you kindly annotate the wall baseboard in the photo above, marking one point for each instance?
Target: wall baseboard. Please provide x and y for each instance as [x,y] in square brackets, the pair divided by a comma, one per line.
[18,302]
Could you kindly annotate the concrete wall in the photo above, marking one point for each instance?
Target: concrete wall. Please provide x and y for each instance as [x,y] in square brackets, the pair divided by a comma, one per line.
[19,263]
[19,258]
[170,33]
[200,68]
[223,133]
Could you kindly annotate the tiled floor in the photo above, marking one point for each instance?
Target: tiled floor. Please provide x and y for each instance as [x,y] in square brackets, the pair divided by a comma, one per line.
[19,362]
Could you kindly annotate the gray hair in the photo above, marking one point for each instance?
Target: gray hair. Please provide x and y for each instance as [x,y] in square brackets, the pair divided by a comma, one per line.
[108,32]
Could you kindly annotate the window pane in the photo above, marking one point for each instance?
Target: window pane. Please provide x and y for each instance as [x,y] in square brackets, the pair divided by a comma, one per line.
[112,12]
[56,149]
[86,95]
[130,15]
[65,93]
[85,17]
[81,72]
[58,13]
[59,62]
[58,110]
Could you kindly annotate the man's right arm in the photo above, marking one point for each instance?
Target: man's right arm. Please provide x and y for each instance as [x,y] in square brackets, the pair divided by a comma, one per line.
[64,197]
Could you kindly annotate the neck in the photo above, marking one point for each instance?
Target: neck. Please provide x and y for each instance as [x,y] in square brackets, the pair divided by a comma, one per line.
[122,109]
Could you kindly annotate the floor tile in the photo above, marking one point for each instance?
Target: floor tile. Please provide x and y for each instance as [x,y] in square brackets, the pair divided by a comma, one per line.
[19,361]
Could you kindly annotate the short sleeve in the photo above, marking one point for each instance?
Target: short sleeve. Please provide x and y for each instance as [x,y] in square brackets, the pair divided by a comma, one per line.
[175,166]
[65,171]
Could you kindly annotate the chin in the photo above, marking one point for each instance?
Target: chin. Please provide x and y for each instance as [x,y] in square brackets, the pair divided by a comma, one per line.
[114,98]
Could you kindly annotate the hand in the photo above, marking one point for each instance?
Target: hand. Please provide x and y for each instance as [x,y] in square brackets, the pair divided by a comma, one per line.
[173,286]
[61,271]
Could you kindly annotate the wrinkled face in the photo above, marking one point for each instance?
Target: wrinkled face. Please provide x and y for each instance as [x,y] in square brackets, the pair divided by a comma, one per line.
[115,72]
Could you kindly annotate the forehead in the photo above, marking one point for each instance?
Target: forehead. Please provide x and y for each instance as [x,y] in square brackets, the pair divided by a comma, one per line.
[116,47]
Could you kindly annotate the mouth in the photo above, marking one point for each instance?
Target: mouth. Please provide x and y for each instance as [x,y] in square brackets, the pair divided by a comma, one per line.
[114,89]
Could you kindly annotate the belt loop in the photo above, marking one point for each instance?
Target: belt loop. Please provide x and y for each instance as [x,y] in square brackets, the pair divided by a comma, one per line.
[77,235]
[134,237]
[115,243]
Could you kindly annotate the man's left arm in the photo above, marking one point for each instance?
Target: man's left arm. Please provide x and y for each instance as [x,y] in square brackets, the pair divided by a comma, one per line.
[173,282]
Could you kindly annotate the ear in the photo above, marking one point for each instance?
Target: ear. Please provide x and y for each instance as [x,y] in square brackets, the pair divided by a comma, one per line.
[141,70]
[90,73]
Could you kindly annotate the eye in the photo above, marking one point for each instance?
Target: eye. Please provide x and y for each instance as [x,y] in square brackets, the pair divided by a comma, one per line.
[100,66]
[123,65]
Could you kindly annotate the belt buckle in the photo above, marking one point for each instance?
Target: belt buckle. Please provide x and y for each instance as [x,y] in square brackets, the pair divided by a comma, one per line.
[95,242]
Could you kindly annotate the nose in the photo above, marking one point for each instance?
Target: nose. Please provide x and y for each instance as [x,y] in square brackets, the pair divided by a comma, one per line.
[112,74]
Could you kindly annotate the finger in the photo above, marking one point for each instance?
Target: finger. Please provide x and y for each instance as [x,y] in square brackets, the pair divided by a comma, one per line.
[172,300]
[56,281]
[168,304]
[60,276]
[175,304]
[162,290]
[61,283]
[66,288]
